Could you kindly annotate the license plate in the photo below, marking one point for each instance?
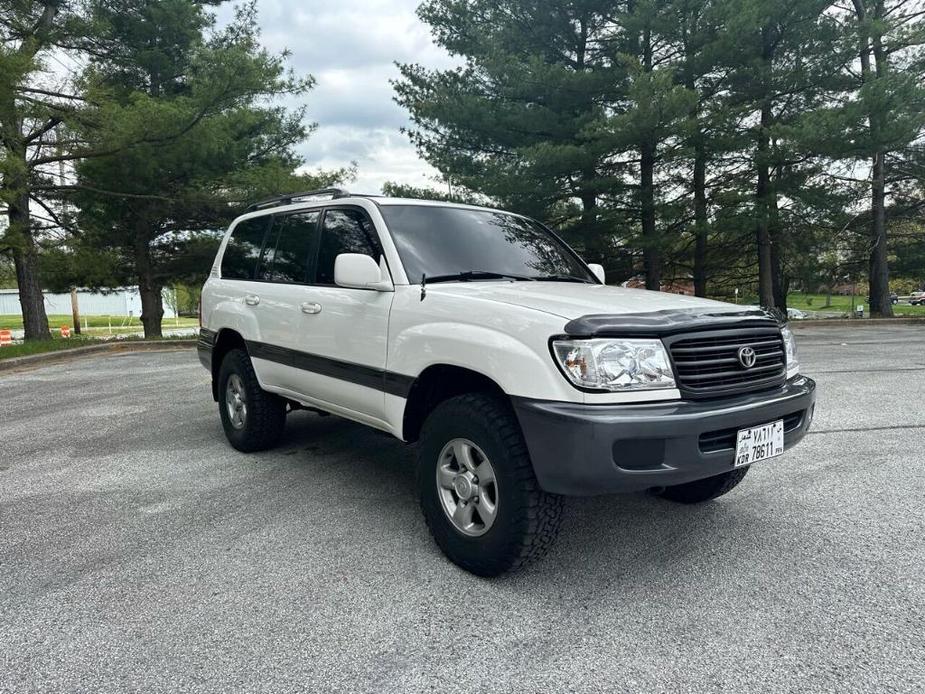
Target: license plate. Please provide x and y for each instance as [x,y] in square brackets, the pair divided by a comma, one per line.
[759,443]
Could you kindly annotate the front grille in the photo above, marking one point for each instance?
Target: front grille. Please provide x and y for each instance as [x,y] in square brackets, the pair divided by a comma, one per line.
[707,364]
[725,439]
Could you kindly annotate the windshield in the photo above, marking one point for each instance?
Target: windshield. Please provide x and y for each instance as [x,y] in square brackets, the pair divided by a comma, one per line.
[446,242]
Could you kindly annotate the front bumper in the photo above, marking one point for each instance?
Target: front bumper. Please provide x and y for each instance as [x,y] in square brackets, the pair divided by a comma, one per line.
[582,450]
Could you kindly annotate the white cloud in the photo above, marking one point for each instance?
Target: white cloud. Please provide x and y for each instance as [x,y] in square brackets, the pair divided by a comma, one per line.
[382,154]
[350,47]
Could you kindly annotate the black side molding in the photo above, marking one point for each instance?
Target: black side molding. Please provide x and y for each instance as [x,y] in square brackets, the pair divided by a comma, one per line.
[370,377]
[667,322]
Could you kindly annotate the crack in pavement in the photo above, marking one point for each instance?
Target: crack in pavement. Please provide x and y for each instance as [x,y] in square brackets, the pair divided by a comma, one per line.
[889,428]
[863,370]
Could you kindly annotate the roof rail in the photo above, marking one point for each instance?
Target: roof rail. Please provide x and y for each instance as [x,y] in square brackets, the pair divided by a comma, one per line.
[289,198]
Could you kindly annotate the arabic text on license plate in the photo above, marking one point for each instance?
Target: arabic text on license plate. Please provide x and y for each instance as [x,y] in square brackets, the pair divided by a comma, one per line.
[759,443]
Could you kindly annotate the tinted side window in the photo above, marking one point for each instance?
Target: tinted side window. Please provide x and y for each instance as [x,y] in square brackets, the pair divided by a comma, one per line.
[240,259]
[344,231]
[286,258]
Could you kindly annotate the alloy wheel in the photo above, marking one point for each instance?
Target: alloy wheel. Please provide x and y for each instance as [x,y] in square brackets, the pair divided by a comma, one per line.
[467,487]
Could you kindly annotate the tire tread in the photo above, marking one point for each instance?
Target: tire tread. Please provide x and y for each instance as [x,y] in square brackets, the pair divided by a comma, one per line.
[266,412]
[540,513]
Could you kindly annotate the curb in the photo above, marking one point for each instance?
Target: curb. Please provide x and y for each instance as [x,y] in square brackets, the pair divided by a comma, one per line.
[107,348]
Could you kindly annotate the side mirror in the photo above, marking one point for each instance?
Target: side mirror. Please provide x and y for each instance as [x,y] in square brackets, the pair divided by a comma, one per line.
[598,271]
[359,271]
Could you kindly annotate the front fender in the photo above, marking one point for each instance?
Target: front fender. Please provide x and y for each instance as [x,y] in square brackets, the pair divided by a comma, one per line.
[515,366]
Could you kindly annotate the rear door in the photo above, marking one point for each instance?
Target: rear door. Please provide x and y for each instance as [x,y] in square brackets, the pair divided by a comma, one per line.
[328,343]
[235,293]
[282,276]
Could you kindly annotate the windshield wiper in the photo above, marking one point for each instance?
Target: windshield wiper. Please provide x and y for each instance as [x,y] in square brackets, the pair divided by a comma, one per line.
[470,275]
[562,278]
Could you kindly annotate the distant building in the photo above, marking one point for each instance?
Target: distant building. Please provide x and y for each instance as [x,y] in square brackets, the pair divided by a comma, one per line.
[675,286]
[123,301]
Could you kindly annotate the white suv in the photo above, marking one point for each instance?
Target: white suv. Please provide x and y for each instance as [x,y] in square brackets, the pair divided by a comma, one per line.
[483,337]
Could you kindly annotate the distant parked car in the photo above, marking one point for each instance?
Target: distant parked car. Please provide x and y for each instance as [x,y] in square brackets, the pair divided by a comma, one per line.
[796,314]
[917,298]
[894,299]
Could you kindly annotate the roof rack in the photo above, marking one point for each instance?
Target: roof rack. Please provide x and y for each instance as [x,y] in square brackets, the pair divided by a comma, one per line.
[289,198]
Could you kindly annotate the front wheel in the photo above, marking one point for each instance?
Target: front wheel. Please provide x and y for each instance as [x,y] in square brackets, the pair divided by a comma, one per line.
[253,419]
[706,489]
[478,492]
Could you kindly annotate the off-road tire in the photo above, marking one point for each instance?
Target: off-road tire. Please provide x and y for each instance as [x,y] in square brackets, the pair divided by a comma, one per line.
[266,412]
[528,519]
[706,489]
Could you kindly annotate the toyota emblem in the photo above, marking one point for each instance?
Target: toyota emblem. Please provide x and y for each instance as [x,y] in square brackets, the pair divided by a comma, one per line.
[747,357]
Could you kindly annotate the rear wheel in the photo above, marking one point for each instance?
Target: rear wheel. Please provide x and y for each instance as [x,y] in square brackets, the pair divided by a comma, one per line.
[706,489]
[478,492]
[253,419]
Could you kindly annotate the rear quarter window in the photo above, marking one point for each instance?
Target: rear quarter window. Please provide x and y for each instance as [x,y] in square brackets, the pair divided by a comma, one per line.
[239,262]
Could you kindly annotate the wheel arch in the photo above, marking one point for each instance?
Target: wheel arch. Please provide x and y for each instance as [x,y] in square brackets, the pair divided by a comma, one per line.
[226,340]
[437,383]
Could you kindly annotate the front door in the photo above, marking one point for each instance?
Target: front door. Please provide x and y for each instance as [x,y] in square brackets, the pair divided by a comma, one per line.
[326,343]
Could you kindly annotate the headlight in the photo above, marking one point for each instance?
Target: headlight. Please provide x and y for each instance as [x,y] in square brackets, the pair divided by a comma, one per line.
[790,351]
[615,365]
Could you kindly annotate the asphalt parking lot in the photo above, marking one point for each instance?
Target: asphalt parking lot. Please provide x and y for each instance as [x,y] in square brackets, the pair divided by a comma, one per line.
[139,552]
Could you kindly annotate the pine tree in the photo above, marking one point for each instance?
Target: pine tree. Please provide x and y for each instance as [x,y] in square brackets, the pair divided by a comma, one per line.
[888,116]
[523,120]
[783,56]
[149,205]
[695,35]
[647,121]
[34,104]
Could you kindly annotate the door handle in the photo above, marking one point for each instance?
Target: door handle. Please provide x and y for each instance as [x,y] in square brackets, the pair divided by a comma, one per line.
[251,299]
[310,307]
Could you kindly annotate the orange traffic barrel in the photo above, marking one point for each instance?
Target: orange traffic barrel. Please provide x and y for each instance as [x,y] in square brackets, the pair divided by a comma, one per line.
[65,331]
[6,338]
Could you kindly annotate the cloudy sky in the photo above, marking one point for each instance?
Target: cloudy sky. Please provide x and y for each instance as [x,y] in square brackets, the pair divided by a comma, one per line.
[350,47]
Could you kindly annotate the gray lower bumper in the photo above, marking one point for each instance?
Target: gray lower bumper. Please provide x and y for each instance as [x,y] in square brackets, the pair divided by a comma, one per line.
[583,450]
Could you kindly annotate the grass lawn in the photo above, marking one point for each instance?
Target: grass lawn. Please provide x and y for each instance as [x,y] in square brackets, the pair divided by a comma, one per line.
[54,345]
[98,324]
[58,344]
[842,304]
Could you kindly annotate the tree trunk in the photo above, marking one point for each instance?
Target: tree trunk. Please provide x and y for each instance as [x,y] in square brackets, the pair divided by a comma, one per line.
[763,195]
[651,251]
[778,282]
[75,311]
[15,181]
[593,242]
[26,262]
[701,219]
[775,233]
[879,271]
[880,304]
[701,209]
[152,300]
[764,192]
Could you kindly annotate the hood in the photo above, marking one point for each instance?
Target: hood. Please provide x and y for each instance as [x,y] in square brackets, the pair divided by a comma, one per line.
[572,300]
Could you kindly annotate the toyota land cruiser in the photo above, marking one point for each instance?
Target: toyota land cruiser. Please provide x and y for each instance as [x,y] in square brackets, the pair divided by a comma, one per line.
[482,337]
